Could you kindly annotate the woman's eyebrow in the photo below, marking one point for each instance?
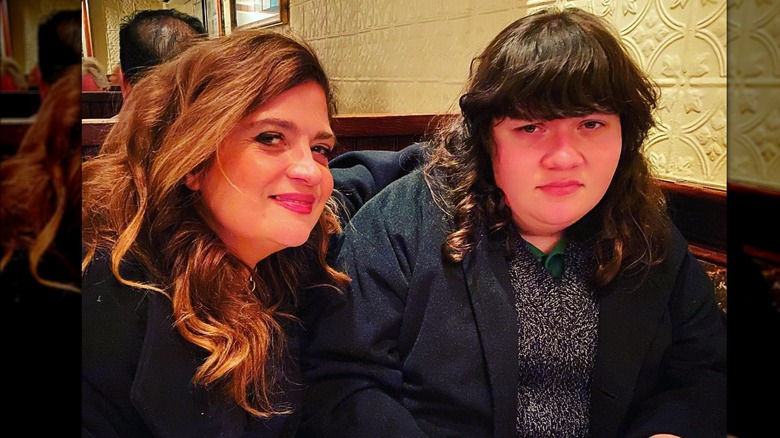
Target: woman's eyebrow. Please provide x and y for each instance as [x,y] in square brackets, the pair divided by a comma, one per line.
[289,126]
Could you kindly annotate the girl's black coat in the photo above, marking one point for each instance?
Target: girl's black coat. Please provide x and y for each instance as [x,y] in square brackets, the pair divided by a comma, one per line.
[419,347]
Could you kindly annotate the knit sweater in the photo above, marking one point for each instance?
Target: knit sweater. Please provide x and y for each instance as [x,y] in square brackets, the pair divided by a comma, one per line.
[557,321]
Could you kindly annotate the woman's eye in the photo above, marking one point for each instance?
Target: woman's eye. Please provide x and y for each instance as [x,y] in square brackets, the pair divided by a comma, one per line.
[270,138]
[322,150]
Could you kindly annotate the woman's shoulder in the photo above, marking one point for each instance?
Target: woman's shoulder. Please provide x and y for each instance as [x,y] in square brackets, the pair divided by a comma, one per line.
[108,305]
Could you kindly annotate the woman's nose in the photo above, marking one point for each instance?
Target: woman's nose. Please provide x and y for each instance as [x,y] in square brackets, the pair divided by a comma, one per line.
[304,167]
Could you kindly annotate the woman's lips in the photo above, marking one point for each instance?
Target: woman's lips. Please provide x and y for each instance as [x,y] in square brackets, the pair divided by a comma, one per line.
[296,202]
[560,188]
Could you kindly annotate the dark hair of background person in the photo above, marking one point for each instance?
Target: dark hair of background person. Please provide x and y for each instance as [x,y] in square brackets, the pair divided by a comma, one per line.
[150,37]
[59,44]
[630,225]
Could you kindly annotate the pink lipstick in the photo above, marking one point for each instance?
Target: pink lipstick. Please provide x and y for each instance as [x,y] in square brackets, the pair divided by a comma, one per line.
[561,188]
[296,202]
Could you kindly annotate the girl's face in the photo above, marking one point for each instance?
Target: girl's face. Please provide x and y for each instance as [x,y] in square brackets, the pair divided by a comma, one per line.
[553,172]
[269,181]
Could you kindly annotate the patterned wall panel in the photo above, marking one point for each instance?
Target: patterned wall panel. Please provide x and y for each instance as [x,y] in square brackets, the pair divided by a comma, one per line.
[754,92]
[413,57]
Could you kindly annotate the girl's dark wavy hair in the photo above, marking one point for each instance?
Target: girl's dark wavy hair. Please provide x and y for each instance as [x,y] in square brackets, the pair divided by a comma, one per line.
[136,208]
[548,65]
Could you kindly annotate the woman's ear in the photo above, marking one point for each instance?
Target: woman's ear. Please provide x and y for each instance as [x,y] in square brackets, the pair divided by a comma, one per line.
[192,181]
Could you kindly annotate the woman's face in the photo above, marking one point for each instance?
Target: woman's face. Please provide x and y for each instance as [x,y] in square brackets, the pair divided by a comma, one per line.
[268,183]
[553,172]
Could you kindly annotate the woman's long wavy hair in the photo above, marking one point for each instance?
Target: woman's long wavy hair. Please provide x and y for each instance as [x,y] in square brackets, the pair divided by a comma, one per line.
[549,65]
[40,187]
[136,206]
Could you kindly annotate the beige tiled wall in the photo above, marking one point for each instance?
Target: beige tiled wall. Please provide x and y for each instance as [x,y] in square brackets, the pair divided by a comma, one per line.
[754,92]
[413,57]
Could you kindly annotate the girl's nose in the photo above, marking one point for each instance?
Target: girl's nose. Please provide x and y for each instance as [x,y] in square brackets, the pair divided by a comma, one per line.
[563,153]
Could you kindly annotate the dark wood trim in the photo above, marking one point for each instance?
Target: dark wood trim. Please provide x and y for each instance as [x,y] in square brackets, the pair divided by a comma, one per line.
[715,256]
[19,103]
[100,104]
[93,131]
[700,213]
[11,133]
[757,232]
[384,125]
[742,188]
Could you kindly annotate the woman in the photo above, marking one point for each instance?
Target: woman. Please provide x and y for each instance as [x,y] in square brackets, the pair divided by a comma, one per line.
[204,211]
[527,282]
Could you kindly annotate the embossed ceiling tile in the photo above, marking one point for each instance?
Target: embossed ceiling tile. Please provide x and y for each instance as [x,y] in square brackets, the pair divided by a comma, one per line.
[325,52]
[677,158]
[688,61]
[346,96]
[487,25]
[318,10]
[446,98]
[397,55]
[379,56]
[535,5]
[687,13]
[430,10]
[325,18]
[422,47]
[342,55]
[488,6]
[458,9]
[383,13]
[446,56]
[361,17]
[333,14]
[358,55]
[403,15]
[310,22]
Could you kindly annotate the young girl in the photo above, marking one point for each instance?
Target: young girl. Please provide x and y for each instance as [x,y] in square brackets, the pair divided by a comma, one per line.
[528,281]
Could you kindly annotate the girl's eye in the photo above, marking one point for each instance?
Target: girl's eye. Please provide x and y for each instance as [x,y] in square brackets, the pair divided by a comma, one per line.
[592,124]
[270,138]
[529,128]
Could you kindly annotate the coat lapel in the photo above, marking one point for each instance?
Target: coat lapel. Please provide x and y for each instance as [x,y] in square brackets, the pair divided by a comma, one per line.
[628,321]
[492,298]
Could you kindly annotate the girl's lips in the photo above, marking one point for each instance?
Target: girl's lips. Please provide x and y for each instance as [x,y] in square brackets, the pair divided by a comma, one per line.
[560,188]
[296,202]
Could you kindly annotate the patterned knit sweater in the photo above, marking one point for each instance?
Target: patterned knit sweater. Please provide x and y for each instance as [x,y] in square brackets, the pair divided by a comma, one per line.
[557,320]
